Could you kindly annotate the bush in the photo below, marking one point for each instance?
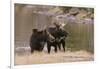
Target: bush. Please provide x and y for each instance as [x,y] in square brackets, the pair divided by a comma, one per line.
[81,36]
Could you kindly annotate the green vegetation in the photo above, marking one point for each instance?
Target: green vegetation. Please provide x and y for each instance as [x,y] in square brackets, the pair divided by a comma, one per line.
[81,37]
[65,9]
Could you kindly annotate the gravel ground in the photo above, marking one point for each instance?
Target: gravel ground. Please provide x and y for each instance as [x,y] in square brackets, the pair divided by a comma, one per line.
[59,57]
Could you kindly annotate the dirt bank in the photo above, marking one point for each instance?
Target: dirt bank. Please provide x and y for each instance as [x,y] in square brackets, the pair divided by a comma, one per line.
[60,57]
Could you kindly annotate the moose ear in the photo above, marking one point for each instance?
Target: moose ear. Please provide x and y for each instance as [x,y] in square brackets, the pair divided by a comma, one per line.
[63,24]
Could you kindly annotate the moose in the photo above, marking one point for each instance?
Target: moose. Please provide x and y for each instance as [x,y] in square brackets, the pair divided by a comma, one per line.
[59,36]
[52,36]
[37,40]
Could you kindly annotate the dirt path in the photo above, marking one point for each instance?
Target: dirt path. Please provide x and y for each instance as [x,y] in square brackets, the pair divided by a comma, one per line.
[60,57]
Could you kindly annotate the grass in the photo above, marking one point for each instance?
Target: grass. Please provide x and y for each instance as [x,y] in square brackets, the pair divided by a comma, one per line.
[60,57]
[81,37]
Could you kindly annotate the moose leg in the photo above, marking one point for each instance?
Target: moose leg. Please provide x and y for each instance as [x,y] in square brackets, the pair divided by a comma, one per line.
[49,48]
[55,48]
[63,45]
[59,46]
[32,50]
[41,46]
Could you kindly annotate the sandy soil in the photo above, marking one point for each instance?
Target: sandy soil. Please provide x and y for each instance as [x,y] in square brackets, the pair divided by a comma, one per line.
[60,57]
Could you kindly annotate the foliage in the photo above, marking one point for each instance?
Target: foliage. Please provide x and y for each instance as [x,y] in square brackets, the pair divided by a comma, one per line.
[81,37]
[65,9]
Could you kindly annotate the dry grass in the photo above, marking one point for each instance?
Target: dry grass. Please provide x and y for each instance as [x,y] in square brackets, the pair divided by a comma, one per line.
[60,57]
